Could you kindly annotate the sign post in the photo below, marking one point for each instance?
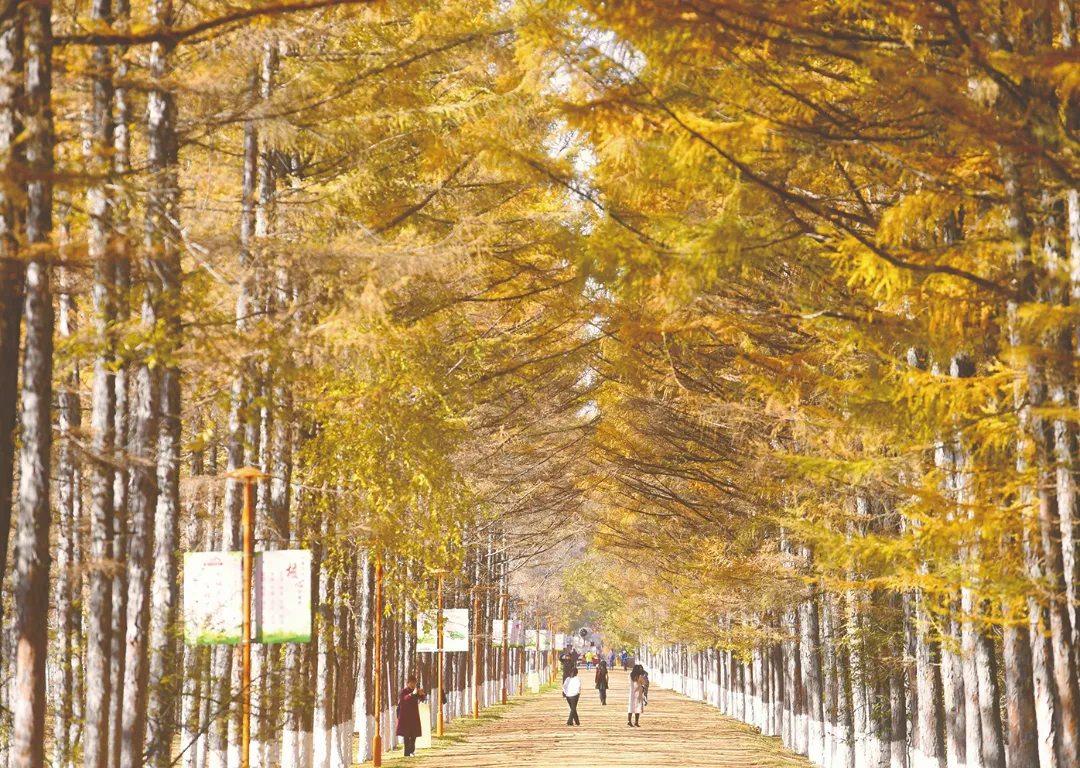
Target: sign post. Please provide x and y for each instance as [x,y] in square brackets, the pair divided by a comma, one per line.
[440,572]
[521,654]
[506,643]
[376,745]
[248,475]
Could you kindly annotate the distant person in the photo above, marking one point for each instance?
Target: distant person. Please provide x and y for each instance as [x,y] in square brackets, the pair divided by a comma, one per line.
[588,658]
[611,658]
[625,660]
[408,724]
[602,681]
[639,687]
[571,691]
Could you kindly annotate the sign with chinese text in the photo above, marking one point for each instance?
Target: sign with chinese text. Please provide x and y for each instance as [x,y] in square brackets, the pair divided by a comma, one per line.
[455,630]
[282,599]
[214,597]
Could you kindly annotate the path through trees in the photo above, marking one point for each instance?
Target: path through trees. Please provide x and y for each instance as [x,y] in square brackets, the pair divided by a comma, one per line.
[675,732]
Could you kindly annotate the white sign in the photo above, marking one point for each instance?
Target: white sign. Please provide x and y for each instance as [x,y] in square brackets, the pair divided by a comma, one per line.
[455,630]
[214,597]
[282,600]
[424,740]
[560,641]
[517,633]
[545,640]
[497,633]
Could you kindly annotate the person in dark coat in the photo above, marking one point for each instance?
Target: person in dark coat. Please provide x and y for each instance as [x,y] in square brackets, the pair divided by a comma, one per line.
[602,681]
[408,722]
[569,662]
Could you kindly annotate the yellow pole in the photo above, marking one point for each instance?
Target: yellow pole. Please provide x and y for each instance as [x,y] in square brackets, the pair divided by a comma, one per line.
[521,651]
[506,645]
[249,556]
[247,522]
[476,656]
[377,743]
[538,646]
[439,719]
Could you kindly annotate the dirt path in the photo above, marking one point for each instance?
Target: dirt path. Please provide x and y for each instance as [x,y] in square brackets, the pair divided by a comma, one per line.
[675,731]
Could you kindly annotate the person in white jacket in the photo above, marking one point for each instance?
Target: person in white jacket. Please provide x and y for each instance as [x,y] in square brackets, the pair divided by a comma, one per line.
[571,691]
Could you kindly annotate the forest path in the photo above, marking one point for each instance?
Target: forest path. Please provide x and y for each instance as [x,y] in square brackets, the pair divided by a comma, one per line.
[675,731]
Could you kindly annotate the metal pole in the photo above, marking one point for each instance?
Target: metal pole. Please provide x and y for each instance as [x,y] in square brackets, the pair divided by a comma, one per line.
[521,650]
[476,656]
[551,652]
[538,656]
[249,547]
[377,743]
[439,655]
[506,646]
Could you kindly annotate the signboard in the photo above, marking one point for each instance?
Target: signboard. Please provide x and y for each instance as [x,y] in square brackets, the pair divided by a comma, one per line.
[517,633]
[497,633]
[530,639]
[213,598]
[423,741]
[455,630]
[282,599]
[545,640]
[560,641]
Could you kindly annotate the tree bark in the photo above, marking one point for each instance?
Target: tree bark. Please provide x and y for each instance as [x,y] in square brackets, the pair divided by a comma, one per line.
[32,560]
[103,408]
[12,281]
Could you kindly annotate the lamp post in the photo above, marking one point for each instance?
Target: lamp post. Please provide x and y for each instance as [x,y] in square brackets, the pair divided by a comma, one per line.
[376,745]
[440,572]
[551,652]
[247,522]
[476,590]
[538,646]
[506,643]
[521,653]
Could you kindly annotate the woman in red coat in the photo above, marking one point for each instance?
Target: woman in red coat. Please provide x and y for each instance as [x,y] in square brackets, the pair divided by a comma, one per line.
[408,722]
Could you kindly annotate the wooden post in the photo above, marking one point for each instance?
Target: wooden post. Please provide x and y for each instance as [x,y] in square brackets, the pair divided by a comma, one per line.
[506,645]
[377,742]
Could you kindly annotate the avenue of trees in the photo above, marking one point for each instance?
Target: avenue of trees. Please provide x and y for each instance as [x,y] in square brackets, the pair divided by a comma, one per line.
[759,315]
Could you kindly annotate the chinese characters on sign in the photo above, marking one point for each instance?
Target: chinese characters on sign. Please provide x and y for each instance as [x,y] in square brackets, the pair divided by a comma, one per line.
[214,597]
[282,596]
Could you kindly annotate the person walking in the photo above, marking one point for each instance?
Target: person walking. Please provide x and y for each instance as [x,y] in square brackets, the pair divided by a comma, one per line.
[639,686]
[571,691]
[408,724]
[602,681]
[611,659]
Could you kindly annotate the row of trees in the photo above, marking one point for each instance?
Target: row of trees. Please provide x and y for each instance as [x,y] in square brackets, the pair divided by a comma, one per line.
[317,238]
[837,382]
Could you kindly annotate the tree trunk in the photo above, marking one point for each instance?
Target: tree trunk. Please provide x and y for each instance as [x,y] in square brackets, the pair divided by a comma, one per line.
[67,566]
[32,561]
[1023,748]
[103,417]
[12,282]
[121,491]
